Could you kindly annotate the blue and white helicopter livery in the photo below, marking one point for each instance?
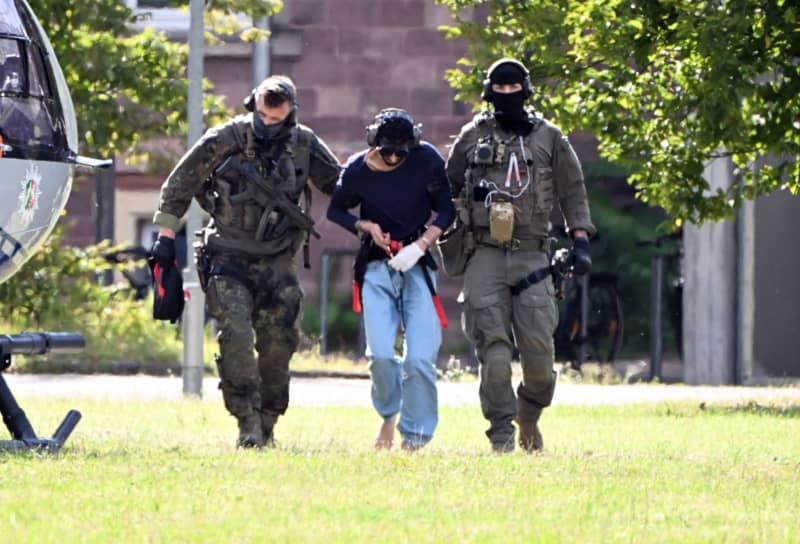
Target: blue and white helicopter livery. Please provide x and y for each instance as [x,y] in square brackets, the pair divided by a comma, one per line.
[38,154]
[38,137]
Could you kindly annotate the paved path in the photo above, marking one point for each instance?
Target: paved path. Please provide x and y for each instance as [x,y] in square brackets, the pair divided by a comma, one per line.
[349,392]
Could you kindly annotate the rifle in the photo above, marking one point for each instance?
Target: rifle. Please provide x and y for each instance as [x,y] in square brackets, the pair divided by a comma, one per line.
[280,212]
[24,437]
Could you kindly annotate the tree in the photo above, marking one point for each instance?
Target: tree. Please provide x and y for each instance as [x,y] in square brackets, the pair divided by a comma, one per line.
[129,83]
[665,85]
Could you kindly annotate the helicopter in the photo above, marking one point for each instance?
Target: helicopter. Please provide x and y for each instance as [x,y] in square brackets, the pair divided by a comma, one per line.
[38,155]
[38,137]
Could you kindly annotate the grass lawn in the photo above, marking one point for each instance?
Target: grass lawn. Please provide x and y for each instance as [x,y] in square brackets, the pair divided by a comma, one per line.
[168,472]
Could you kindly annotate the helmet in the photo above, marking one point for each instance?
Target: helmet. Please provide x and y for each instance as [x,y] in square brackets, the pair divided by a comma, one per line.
[492,71]
[394,124]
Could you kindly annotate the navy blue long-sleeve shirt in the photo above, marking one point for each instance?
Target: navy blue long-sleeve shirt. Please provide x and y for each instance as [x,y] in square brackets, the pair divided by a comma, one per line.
[401,200]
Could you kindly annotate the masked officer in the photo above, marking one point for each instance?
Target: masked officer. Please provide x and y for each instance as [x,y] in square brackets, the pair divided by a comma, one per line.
[249,174]
[507,168]
[398,182]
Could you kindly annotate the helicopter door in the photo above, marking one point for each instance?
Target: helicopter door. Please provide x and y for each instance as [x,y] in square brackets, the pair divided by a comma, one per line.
[31,120]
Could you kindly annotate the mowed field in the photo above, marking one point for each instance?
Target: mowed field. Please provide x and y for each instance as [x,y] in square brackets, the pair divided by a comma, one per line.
[167,471]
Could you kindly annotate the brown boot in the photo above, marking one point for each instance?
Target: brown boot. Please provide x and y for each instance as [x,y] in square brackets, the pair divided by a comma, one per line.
[530,439]
[250,433]
[267,427]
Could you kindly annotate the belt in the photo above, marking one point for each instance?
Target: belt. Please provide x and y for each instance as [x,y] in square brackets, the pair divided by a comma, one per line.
[515,244]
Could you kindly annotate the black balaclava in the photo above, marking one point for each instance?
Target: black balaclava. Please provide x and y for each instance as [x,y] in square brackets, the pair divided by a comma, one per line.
[509,108]
[263,131]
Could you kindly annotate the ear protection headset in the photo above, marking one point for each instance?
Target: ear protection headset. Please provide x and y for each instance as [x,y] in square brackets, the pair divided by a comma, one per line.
[386,115]
[487,93]
[250,101]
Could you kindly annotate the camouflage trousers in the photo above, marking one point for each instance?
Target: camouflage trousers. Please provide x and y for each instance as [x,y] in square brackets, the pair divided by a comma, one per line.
[497,323]
[256,303]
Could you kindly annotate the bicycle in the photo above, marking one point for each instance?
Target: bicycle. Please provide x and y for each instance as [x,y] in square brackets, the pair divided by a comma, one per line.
[596,323]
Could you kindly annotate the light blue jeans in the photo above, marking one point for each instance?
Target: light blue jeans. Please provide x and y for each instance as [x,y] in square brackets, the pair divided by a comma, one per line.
[407,384]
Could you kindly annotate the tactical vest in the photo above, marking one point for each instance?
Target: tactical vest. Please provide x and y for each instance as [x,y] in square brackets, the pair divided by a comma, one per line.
[244,219]
[508,168]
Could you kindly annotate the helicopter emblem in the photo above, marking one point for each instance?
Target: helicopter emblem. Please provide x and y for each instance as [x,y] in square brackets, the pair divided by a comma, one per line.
[29,196]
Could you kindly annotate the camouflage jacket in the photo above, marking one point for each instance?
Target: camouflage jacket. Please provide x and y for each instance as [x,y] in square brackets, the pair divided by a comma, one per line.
[237,217]
[545,169]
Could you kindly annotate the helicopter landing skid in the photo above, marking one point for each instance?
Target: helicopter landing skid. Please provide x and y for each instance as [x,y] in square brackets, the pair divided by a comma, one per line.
[23,436]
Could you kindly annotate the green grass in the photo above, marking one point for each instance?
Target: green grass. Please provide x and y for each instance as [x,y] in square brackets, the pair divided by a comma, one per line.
[167,472]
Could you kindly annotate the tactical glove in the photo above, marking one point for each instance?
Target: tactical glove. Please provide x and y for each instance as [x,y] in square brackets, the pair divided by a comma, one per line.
[163,251]
[580,260]
[406,258]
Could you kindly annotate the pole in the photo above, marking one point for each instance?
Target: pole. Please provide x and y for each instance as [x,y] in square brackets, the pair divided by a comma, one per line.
[262,58]
[104,225]
[193,315]
[656,267]
[323,304]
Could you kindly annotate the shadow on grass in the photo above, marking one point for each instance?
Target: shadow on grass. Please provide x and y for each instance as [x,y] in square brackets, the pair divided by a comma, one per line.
[788,410]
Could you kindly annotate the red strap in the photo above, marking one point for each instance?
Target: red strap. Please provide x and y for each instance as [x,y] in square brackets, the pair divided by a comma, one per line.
[356,297]
[440,311]
[157,277]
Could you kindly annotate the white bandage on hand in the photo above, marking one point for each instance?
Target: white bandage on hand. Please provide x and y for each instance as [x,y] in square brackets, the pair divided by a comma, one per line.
[406,258]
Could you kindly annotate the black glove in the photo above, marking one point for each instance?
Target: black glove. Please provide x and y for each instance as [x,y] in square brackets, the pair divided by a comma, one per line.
[580,260]
[163,251]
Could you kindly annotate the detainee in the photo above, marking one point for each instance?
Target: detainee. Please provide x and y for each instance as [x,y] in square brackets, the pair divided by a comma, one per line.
[398,182]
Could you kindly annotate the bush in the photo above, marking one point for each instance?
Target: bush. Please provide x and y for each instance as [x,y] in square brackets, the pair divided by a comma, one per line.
[58,290]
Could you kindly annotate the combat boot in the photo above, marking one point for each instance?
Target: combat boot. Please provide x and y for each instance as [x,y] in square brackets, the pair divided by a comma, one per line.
[503,446]
[267,427]
[530,438]
[250,433]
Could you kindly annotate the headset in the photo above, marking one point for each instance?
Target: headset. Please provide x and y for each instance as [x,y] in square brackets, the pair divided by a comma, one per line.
[386,115]
[487,93]
[250,100]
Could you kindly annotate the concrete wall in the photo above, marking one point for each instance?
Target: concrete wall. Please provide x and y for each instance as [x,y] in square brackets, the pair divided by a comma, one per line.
[776,347]
[709,301]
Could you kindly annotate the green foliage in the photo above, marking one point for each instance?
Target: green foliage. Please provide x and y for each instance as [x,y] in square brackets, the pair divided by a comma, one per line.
[129,83]
[666,86]
[615,250]
[343,324]
[167,471]
[58,290]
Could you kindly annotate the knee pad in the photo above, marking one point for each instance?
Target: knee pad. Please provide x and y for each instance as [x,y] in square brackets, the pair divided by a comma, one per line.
[497,359]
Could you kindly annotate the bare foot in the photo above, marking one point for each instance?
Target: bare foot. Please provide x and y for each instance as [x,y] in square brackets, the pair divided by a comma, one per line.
[410,447]
[385,438]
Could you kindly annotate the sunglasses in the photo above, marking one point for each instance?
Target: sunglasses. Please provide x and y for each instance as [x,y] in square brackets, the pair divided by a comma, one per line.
[388,150]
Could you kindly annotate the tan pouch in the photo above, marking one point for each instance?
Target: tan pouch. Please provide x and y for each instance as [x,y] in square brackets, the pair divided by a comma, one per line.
[501,221]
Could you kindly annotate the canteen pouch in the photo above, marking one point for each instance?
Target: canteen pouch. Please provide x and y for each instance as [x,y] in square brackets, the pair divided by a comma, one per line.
[501,222]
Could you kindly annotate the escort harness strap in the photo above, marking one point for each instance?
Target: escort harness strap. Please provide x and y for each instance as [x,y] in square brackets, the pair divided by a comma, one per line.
[370,252]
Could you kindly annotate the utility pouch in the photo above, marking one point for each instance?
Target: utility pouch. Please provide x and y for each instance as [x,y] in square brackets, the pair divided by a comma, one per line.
[501,222]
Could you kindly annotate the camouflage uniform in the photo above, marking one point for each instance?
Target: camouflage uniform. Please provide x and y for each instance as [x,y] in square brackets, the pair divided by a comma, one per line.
[246,259]
[494,320]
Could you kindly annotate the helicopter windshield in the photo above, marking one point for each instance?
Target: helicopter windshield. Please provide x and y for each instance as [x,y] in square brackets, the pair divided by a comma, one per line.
[10,22]
[31,119]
